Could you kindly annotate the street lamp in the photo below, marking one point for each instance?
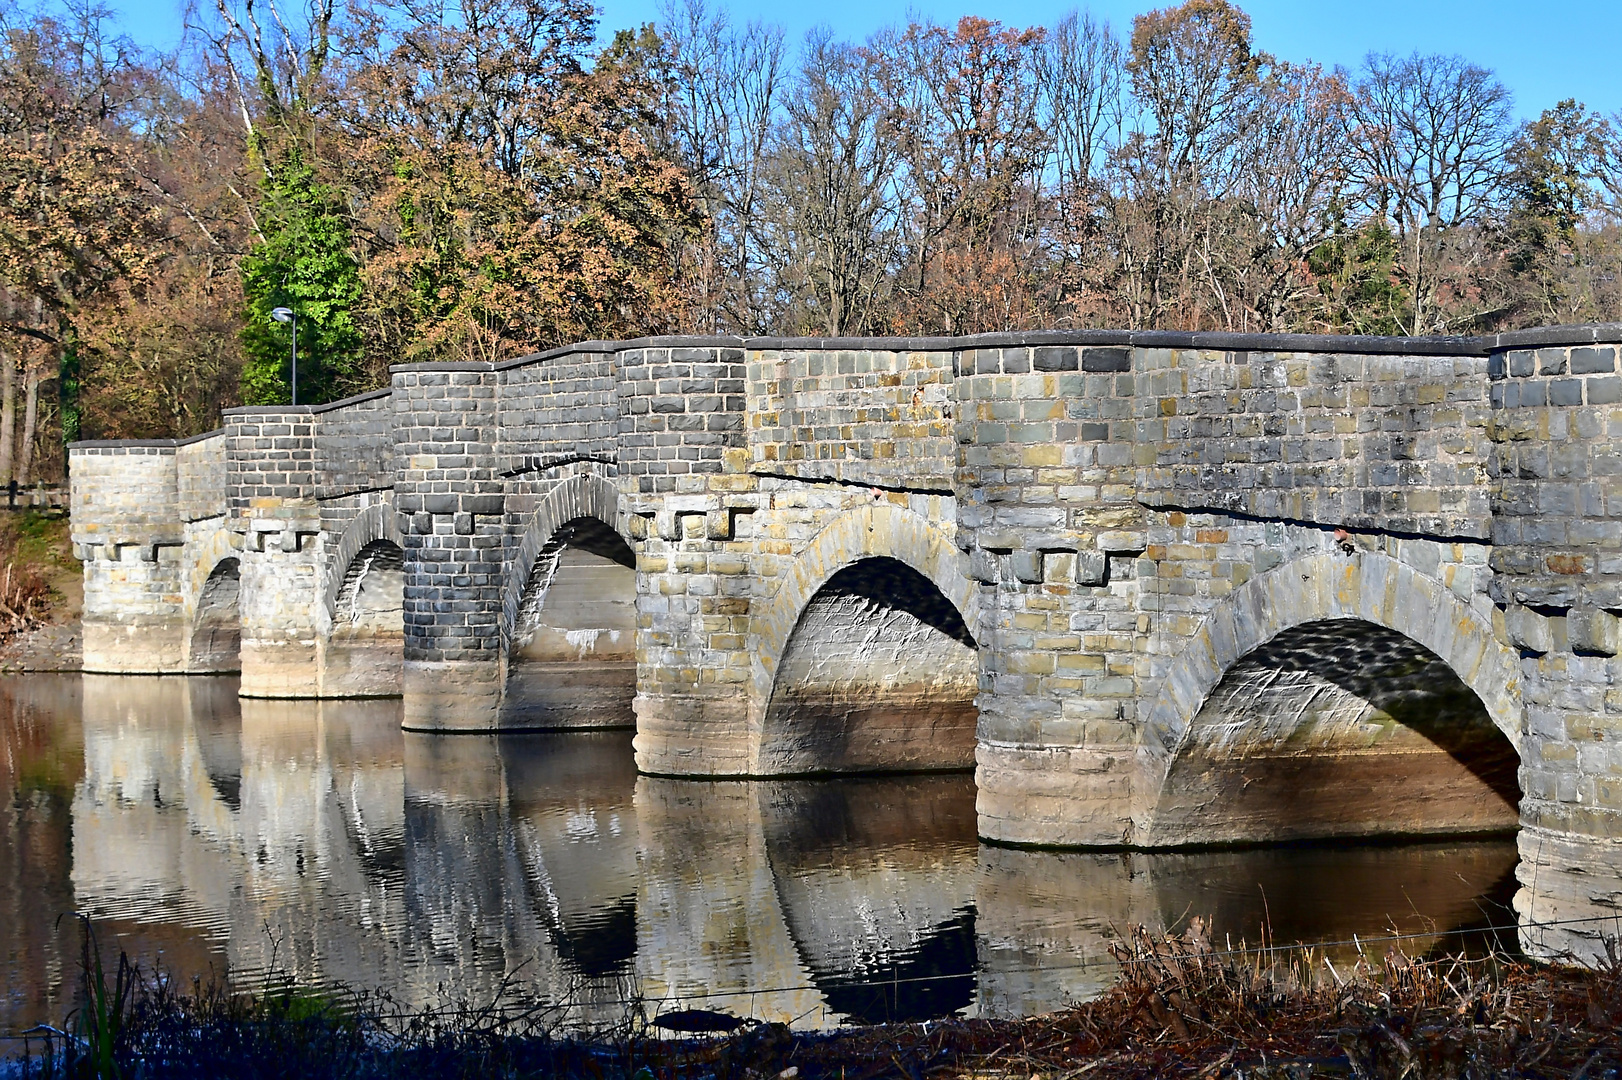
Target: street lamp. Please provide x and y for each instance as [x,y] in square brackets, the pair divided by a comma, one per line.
[285,315]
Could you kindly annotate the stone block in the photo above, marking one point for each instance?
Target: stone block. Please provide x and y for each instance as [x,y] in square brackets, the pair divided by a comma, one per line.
[1092,567]
[1026,566]
[1122,541]
[1528,630]
[1593,631]
[1106,359]
[1566,392]
[1595,359]
[1604,391]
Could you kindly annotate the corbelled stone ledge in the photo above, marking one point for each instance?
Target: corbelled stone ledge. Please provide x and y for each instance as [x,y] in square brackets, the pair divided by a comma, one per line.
[1159,589]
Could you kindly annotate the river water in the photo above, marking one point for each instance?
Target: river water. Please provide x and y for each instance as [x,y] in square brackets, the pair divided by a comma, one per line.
[212,837]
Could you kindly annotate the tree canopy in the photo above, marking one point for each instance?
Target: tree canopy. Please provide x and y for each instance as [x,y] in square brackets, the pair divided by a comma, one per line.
[433,180]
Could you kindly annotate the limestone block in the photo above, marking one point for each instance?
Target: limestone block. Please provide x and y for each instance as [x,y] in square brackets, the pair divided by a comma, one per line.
[1059,567]
[1593,630]
[1528,630]
[1027,566]
[1092,567]
[1122,541]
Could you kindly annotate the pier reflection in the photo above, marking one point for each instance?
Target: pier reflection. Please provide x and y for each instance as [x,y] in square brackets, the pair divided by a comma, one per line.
[241,838]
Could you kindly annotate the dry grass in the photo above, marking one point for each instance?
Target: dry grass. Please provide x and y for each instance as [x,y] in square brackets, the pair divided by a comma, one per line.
[1179,1009]
[34,554]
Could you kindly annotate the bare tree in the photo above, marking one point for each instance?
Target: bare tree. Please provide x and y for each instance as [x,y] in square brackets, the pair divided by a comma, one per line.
[834,219]
[1429,136]
[1286,171]
[727,86]
[966,118]
[1081,76]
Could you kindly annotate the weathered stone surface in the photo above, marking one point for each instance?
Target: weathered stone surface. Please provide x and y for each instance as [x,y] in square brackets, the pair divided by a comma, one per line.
[1135,534]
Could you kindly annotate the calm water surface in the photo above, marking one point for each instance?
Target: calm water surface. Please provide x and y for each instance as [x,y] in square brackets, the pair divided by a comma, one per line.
[213,836]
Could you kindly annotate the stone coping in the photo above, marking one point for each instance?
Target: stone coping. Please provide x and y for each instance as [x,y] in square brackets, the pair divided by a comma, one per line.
[315,410]
[151,444]
[1329,344]
[243,410]
[1480,345]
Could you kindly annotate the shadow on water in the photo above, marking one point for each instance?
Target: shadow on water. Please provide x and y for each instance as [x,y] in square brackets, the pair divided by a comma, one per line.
[218,837]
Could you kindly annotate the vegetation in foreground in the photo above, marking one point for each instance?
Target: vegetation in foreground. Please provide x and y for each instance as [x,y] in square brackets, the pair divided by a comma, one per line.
[39,578]
[1179,1008]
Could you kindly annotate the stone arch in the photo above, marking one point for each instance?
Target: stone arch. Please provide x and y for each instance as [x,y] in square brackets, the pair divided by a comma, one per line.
[884,530]
[382,557]
[584,495]
[1319,593]
[374,523]
[215,642]
[568,626]
[896,594]
[221,544]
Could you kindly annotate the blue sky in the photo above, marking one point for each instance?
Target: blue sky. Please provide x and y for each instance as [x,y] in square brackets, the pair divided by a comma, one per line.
[1542,51]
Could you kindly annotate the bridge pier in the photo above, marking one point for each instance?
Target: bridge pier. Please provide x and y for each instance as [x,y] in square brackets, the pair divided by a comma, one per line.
[448,492]
[127,532]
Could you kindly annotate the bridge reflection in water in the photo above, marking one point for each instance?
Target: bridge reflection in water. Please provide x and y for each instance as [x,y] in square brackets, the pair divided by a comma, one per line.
[316,838]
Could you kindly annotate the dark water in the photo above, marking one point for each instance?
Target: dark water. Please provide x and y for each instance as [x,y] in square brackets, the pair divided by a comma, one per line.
[228,838]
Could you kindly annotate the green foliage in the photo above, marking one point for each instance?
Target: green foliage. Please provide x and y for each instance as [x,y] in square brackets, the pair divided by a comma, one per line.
[101,1017]
[1356,274]
[67,385]
[305,261]
[1550,180]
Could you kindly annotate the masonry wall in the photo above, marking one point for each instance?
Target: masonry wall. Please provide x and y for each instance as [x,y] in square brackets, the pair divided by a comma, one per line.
[1397,442]
[354,448]
[879,415]
[557,409]
[201,477]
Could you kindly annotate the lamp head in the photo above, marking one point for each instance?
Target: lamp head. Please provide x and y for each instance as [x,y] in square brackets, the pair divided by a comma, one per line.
[282,314]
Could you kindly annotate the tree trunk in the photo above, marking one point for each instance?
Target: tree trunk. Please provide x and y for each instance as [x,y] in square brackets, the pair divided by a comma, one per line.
[25,463]
[8,414]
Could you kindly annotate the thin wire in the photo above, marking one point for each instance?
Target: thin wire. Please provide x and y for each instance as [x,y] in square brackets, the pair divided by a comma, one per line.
[1083,963]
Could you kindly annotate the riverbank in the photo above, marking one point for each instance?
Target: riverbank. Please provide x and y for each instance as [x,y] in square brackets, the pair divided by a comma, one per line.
[41,593]
[1179,1008]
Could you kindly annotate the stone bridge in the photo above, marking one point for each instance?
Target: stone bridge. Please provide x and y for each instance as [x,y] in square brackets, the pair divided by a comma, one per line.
[1159,589]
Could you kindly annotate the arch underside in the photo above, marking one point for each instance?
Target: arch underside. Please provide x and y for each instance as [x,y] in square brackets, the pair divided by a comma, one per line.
[365,650]
[1339,728]
[571,659]
[216,637]
[880,674]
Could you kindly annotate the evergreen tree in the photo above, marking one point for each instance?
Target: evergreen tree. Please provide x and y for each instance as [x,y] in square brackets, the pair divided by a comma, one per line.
[305,262]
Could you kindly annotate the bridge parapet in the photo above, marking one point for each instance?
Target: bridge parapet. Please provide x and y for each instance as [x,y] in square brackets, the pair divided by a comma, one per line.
[200,474]
[558,409]
[861,412]
[1397,442]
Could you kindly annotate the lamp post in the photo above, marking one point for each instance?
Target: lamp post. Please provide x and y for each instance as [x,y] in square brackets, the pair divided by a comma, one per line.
[285,315]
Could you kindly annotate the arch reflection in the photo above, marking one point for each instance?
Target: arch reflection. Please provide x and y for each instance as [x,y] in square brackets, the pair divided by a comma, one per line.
[226,836]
